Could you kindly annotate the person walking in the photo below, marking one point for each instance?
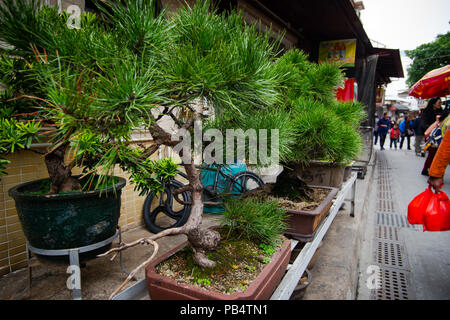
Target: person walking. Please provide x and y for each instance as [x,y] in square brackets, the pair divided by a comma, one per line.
[419,136]
[434,135]
[439,164]
[383,128]
[428,117]
[394,135]
[406,131]
[402,128]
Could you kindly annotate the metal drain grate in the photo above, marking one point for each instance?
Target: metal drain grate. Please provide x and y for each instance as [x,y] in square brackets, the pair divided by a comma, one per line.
[387,233]
[386,195]
[391,254]
[394,285]
[394,220]
[382,187]
[385,205]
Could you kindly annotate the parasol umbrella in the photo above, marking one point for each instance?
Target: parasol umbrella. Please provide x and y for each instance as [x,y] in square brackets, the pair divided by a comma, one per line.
[435,83]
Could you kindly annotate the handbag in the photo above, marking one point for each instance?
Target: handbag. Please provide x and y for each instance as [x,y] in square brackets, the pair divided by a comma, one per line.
[409,132]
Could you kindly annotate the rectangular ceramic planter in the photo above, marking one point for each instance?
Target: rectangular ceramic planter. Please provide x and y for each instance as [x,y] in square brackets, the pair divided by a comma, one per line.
[348,170]
[321,173]
[164,288]
[302,224]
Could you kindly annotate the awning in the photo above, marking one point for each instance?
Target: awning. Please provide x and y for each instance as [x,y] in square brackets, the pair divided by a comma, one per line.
[399,107]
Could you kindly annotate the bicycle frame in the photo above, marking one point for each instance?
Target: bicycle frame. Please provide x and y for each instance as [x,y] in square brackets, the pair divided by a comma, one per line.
[218,173]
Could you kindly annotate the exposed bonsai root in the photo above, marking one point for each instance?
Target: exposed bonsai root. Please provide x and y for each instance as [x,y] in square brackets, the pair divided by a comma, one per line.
[201,241]
[142,265]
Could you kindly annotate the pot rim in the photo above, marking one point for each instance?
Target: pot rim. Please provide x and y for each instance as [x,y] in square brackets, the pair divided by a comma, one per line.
[18,195]
[332,193]
[285,248]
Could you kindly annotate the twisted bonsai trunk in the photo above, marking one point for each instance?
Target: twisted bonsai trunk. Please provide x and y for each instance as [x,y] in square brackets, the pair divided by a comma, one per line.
[61,179]
[201,240]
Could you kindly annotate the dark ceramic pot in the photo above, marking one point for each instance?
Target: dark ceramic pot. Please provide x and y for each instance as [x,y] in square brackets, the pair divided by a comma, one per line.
[70,220]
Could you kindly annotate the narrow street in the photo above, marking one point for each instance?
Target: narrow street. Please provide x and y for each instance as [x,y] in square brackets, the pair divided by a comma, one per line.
[413,264]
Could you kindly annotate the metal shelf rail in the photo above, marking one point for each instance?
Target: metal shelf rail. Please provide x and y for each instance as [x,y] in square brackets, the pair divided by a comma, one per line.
[296,269]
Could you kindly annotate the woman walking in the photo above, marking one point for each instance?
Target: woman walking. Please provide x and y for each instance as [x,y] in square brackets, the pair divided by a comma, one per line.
[430,116]
[434,133]
[383,127]
[406,130]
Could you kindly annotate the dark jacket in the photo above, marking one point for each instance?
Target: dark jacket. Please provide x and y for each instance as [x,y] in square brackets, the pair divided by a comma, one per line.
[428,118]
[417,128]
[383,130]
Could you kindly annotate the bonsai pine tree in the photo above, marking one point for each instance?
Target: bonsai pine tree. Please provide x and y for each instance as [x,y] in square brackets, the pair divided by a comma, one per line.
[129,67]
[325,128]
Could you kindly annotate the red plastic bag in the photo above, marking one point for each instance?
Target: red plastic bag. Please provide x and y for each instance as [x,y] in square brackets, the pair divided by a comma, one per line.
[437,214]
[418,206]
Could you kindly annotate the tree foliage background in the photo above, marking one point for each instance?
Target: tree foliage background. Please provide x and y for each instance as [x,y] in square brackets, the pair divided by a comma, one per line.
[427,57]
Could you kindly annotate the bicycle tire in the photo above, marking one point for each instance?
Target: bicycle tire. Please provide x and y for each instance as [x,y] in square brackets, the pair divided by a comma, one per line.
[180,216]
[234,182]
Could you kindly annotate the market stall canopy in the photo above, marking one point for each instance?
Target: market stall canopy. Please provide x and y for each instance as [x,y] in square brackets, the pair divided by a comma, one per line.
[389,64]
[435,83]
[399,107]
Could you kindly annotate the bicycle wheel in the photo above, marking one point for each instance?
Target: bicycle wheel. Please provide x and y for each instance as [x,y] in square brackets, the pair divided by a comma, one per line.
[242,182]
[162,212]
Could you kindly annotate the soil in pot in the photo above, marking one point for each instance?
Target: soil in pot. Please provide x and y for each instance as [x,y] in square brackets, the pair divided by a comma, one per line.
[306,205]
[239,262]
[292,193]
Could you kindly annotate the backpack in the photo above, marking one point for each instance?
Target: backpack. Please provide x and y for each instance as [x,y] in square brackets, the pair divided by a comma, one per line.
[435,138]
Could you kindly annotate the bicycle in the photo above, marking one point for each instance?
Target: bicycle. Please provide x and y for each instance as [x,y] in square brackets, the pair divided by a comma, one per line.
[166,211]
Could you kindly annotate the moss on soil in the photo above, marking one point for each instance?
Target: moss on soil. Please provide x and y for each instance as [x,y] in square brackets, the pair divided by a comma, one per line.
[239,262]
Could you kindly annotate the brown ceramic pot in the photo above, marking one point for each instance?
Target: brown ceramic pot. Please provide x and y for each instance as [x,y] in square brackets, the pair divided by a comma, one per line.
[164,288]
[302,224]
[321,173]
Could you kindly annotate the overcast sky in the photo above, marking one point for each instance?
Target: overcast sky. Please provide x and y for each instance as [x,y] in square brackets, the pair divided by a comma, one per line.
[404,25]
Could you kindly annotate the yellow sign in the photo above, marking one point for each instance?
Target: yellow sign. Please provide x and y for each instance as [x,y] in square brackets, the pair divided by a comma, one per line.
[341,51]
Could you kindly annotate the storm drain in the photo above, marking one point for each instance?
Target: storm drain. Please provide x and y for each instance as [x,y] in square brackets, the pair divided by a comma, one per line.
[394,285]
[393,220]
[387,233]
[391,254]
[384,188]
[384,179]
[385,205]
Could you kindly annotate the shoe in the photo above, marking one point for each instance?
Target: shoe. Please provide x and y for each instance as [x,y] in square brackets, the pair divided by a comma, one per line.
[409,148]
[382,148]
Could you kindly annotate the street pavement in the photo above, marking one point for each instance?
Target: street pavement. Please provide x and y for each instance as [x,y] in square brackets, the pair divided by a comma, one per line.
[412,264]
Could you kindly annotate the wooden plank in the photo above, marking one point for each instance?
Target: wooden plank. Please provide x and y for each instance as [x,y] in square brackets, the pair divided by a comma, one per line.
[293,275]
